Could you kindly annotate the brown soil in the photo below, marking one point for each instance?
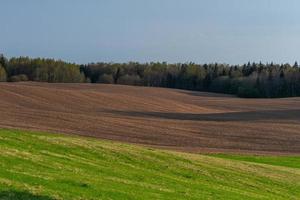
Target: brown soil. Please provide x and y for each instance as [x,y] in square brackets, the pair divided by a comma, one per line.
[165,118]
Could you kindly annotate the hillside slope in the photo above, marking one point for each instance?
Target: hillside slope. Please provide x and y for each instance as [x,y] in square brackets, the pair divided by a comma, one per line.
[38,166]
[173,119]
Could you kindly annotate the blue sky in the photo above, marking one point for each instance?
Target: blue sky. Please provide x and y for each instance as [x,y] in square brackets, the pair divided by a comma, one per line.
[82,31]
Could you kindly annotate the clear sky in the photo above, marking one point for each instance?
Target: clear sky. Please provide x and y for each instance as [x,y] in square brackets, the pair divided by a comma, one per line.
[231,31]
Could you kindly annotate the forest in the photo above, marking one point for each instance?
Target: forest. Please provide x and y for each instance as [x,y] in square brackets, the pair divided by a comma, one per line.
[251,80]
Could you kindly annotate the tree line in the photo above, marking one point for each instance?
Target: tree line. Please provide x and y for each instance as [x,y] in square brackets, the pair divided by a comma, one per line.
[43,70]
[252,80]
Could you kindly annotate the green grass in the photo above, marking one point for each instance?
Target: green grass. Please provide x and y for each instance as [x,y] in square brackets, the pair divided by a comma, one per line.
[285,161]
[43,166]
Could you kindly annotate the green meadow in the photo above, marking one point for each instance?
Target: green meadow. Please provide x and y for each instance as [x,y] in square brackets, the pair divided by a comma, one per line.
[41,166]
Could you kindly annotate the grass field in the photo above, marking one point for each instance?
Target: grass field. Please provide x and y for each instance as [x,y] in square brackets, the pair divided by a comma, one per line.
[42,166]
[285,161]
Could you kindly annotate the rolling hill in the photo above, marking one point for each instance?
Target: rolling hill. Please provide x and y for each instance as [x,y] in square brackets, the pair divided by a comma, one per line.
[40,166]
[165,118]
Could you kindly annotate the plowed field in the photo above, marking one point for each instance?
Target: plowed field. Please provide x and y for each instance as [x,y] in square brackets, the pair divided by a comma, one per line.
[164,118]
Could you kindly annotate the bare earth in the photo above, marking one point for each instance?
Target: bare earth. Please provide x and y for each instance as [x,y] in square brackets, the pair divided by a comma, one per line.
[164,118]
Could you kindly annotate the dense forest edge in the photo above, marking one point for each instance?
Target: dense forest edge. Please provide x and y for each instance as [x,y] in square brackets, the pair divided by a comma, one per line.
[251,80]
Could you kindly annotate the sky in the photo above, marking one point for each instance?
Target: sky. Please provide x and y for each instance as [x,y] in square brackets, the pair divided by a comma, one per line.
[201,31]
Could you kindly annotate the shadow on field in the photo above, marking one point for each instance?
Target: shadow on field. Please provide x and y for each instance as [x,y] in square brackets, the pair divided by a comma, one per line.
[21,195]
[205,94]
[218,117]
